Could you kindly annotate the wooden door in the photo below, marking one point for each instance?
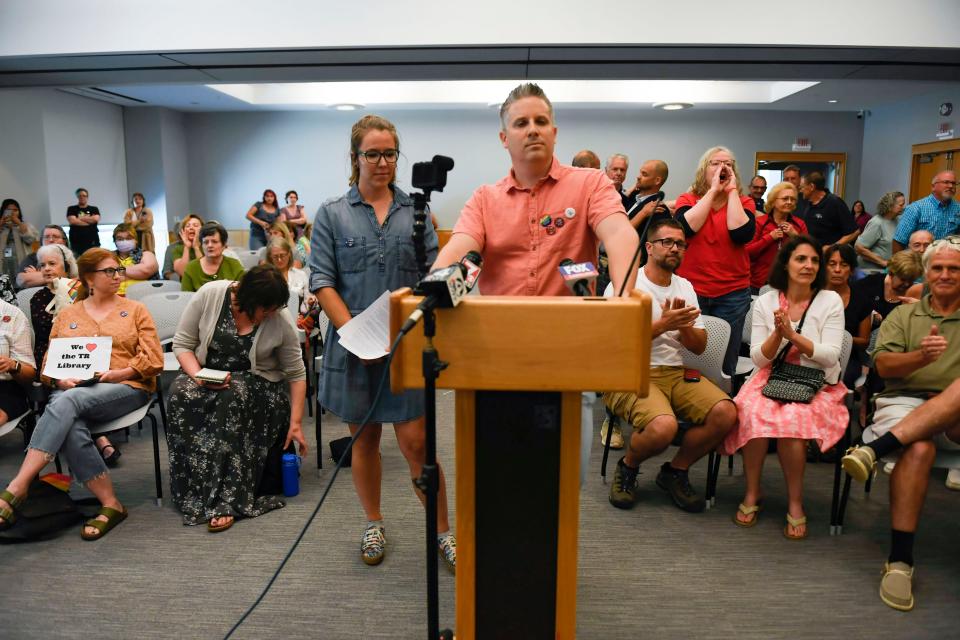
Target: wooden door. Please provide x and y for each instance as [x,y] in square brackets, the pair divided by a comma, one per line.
[929,160]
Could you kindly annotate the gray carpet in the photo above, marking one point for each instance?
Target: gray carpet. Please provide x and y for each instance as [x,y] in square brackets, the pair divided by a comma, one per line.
[652,572]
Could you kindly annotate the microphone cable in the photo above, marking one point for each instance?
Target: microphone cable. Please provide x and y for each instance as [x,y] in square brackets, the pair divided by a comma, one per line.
[636,254]
[326,491]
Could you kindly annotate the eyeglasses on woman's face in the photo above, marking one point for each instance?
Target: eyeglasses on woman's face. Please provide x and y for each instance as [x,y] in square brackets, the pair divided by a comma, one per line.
[373,156]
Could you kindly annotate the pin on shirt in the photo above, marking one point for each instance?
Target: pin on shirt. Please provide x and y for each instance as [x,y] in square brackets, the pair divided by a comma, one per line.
[558,222]
[570,213]
[546,221]
[124,314]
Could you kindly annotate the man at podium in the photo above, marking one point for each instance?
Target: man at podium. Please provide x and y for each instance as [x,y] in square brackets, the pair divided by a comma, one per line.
[541,213]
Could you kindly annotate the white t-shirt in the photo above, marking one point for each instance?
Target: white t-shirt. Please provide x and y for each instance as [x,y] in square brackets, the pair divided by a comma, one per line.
[665,348]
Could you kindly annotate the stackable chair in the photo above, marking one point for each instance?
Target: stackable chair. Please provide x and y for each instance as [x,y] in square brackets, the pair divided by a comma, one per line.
[249,258]
[140,290]
[23,299]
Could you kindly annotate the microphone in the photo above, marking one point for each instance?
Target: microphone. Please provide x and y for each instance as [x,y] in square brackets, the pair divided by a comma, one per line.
[578,277]
[446,287]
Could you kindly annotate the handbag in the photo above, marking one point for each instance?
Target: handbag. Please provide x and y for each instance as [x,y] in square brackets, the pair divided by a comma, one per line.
[793,382]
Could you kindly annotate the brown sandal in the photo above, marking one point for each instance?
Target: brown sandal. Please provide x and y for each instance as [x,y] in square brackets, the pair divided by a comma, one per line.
[114,518]
[212,528]
[9,514]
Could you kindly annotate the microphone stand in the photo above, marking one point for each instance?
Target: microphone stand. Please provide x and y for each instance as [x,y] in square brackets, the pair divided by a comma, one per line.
[429,480]
[420,201]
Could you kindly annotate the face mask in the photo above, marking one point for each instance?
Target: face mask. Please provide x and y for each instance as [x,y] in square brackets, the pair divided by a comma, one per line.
[125,245]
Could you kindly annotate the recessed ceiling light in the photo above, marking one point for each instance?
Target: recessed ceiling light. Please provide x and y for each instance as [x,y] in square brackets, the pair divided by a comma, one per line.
[672,106]
[832,101]
[347,106]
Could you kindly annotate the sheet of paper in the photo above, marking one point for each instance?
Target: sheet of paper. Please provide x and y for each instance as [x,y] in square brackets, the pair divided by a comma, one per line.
[78,357]
[367,335]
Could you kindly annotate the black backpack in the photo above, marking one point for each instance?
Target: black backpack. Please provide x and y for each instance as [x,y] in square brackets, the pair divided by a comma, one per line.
[46,512]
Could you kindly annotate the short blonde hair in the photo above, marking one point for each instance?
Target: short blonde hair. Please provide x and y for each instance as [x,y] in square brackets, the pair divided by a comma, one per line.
[775,192]
[700,185]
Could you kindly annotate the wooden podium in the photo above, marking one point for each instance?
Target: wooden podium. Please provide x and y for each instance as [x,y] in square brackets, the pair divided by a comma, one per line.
[519,365]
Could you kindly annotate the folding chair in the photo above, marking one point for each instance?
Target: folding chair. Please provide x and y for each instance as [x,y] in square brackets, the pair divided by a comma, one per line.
[249,258]
[166,310]
[23,299]
[140,290]
[135,418]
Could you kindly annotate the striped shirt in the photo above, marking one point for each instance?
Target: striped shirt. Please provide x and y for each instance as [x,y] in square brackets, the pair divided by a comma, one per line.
[929,214]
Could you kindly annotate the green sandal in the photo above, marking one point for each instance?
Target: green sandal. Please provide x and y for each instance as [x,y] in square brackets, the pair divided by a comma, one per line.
[114,518]
[9,514]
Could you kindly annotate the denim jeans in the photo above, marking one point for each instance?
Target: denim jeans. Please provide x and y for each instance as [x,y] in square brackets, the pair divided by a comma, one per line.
[732,307]
[64,425]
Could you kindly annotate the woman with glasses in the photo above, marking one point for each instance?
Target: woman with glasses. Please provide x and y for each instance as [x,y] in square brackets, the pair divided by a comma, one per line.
[213,265]
[718,221]
[361,246]
[280,254]
[276,230]
[875,245]
[773,229]
[64,427]
[220,432]
[261,215]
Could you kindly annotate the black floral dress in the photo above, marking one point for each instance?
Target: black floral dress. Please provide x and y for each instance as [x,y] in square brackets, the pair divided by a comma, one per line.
[218,440]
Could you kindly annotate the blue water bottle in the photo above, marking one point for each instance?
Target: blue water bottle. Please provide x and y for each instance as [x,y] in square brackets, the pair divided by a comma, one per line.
[290,469]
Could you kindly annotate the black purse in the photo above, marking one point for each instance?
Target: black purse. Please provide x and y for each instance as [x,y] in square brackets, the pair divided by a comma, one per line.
[793,382]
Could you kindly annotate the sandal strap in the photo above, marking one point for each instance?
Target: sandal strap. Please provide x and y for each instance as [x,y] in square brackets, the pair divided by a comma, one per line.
[12,500]
[99,525]
[745,510]
[109,512]
[796,522]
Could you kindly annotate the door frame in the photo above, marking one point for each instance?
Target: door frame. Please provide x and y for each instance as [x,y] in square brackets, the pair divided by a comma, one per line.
[923,149]
[840,159]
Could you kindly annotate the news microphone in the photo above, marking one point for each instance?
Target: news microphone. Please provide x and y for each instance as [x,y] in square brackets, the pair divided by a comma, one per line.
[446,287]
[578,276]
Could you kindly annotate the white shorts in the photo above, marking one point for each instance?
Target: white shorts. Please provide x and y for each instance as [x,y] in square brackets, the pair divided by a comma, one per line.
[890,411]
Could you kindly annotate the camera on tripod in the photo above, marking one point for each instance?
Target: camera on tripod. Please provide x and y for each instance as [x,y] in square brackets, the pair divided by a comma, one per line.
[432,175]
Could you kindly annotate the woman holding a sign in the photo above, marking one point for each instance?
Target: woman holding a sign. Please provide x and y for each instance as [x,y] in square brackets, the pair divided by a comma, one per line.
[102,362]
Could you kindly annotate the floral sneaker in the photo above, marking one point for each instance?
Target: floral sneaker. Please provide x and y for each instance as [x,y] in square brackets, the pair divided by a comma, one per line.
[373,544]
[447,548]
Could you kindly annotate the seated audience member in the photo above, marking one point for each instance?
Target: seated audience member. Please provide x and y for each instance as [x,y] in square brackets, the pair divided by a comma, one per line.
[293,215]
[773,228]
[179,254]
[676,324]
[219,434]
[261,215]
[827,216]
[213,265]
[303,247]
[140,265]
[920,240]
[64,427]
[6,289]
[28,273]
[16,237]
[586,159]
[886,291]
[916,354]
[718,222]
[859,212]
[280,255]
[142,220]
[17,365]
[797,278]
[276,230]
[937,213]
[59,270]
[875,245]
[857,308]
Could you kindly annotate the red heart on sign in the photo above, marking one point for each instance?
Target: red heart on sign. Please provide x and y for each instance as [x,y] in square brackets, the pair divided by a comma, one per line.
[91,346]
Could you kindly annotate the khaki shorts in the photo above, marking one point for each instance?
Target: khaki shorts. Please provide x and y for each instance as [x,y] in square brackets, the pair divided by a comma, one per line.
[669,396]
[891,410]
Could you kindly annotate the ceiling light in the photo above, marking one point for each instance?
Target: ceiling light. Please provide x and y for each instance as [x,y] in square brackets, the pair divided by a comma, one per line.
[832,101]
[672,106]
[346,106]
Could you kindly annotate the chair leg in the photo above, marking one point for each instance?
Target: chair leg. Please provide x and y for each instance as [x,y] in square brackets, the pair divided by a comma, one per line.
[710,490]
[843,504]
[319,430]
[868,484]
[606,448]
[163,409]
[729,466]
[156,459]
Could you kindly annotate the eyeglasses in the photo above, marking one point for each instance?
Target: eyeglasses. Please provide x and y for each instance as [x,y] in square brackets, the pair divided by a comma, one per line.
[111,272]
[949,183]
[670,243]
[373,157]
[717,163]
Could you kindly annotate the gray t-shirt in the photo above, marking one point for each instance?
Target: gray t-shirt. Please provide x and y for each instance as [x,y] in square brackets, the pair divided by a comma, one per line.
[877,236]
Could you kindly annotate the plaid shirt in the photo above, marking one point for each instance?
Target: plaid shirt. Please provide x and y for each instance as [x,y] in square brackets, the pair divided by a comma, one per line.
[929,214]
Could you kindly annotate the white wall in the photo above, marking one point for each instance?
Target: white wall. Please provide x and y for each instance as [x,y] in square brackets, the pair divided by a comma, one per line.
[889,133]
[91,26]
[54,142]
[233,157]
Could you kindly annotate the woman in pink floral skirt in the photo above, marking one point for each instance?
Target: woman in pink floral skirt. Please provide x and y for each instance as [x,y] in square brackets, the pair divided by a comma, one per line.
[797,278]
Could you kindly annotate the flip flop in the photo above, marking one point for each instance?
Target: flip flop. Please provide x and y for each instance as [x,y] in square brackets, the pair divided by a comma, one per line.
[9,514]
[748,511]
[795,522]
[114,518]
[222,527]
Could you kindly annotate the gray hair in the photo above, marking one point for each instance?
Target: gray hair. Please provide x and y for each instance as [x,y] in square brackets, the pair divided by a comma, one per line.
[950,243]
[887,201]
[65,255]
[613,157]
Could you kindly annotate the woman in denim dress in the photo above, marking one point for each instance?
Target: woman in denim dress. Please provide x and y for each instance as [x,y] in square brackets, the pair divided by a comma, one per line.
[361,246]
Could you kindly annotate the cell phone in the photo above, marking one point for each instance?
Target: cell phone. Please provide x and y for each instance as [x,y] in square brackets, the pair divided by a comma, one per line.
[88,382]
[691,375]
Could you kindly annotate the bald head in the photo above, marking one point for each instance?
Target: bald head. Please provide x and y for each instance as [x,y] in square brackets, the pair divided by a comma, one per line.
[652,176]
[586,159]
[920,240]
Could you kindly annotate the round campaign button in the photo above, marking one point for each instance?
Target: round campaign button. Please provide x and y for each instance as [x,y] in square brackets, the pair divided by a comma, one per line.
[551,231]
[124,314]
[73,325]
[570,212]
[546,221]
[559,222]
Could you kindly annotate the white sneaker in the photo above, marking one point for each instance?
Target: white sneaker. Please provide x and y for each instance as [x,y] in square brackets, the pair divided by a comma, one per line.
[953,479]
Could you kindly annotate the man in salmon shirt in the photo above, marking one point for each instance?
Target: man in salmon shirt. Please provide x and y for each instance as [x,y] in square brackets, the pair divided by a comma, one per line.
[539,214]
[718,221]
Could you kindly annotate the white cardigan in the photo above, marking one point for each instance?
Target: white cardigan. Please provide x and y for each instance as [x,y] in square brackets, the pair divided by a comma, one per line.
[823,327]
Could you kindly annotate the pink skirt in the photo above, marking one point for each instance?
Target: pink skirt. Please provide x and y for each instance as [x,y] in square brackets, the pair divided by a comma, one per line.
[824,419]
